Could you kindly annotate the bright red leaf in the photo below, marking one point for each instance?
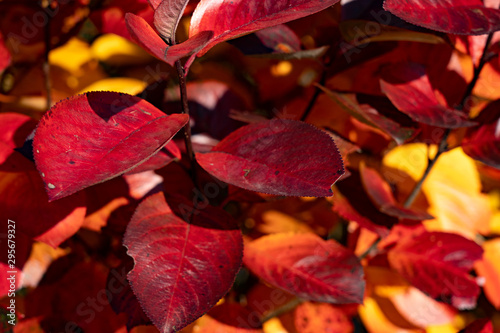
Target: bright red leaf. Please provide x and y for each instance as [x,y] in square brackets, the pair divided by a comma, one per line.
[308,267]
[466,17]
[167,16]
[166,155]
[438,264]
[145,36]
[181,269]
[231,19]
[381,195]
[271,157]
[97,136]
[483,142]
[409,89]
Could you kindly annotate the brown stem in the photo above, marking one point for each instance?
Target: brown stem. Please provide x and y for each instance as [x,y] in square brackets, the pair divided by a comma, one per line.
[187,127]
[443,145]
[46,64]
[290,305]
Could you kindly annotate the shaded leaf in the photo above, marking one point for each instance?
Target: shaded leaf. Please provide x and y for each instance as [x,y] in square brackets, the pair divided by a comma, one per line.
[313,317]
[280,39]
[145,36]
[228,318]
[97,136]
[231,19]
[409,89]
[468,17]
[479,326]
[438,264]
[307,266]
[167,16]
[482,143]
[303,54]
[178,275]
[5,57]
[381,195]
[253,157]
[370,116]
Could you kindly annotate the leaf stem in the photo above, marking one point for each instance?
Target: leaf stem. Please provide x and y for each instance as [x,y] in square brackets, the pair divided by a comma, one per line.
[46,64]
[443,145]
[314,98]
[290,305]
[187,127]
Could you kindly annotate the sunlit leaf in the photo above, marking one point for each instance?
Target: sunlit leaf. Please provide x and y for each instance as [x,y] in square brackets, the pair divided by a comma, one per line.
[489,269]
[167,16]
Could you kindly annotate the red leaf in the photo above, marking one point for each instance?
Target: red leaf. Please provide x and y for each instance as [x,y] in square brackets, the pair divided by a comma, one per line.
[483,142]
[97,136]
[438,263]
[280,39]
[370,116]
[409,89]
[166,155]
[381,195]
[479,326]
[228,318]
[231,19]
[308,267]
[466,17]
[145,36]
[4,55]
[167,16]
[312,318]
[181,269]
[253,157]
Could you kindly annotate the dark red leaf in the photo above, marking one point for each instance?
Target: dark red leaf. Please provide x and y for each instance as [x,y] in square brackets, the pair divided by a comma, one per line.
[280,39]
[467,17]
[145,36]
[167,16]
[307,266]
[231,19]
[166,155]
[343,207]
[409,89]
[381,195]
[15,128]
[483,142]
[438,264]
[181,269]
[271,157]
[370,116]
[4,55]
[479,326]
[97,136]
[229,318]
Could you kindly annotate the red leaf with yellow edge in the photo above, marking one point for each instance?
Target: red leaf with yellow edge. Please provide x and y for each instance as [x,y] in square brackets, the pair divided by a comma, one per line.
[144,35]
[380,194]
[409,89]
[320,317]
[438,264]
[97,136]
[231,19]
[467,17]
[307,266]
[269,157]
[181,268]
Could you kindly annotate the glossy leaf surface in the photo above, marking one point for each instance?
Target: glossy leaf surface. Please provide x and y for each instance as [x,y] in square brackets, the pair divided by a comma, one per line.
[308,267]
[409,89]
[231,19]
[270,157]
[97,136]
[181,269]
[467,17]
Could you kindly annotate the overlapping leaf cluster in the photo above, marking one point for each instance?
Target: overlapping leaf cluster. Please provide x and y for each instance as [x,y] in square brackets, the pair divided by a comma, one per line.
[330,173]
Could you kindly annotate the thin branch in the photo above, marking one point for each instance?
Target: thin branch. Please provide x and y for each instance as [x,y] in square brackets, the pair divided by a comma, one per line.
[187,127]
[370,249]
[46,64]
[443,145]
[317,92]
[282,310]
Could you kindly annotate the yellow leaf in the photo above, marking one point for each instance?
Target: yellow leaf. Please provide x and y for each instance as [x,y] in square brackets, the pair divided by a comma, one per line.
[71,56]
[118,51]
[453,188]
[274,325]
[119,84]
